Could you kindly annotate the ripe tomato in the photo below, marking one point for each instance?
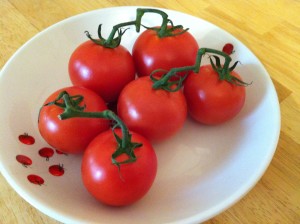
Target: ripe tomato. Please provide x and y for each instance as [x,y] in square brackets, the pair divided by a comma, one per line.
[103,70]
[150,52]
[72,135]
[154,113]
[228,48]
[106,182]
[211,100]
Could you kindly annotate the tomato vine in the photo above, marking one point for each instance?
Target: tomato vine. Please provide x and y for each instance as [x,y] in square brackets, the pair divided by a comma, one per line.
[165,30]
[222,70]
[70,105]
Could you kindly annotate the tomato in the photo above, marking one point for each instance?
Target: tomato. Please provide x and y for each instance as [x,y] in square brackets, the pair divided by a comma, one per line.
[211,100]
[103,70]
[154,113]
[150,52]
[72,135]
[106,182]
[228,48]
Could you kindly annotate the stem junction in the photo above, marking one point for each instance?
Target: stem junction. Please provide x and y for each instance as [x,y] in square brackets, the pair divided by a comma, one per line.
[166,29]
[72,109]
[222,70]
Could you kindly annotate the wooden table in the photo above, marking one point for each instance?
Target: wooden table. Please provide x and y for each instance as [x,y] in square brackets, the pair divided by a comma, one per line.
[271,29]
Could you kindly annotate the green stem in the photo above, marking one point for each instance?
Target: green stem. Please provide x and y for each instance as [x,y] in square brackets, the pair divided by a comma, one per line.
[164,24]
[112,41]
[223,71]
[71,110]
[116,28]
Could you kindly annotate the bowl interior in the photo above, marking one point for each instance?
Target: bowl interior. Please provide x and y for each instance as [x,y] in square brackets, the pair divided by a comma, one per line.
[202,170]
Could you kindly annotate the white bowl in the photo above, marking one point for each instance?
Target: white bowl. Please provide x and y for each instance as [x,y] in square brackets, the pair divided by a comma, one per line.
[202,171]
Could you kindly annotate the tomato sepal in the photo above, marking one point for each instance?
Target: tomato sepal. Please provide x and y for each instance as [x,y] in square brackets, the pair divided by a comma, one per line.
[224,71]
[110,42]
[127,149]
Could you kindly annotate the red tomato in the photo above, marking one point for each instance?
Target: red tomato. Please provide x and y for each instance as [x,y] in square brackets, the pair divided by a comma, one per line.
[155,114]
[151,52]
[211,100]
[72,135]
[103,70]
[106,182]
[228,48]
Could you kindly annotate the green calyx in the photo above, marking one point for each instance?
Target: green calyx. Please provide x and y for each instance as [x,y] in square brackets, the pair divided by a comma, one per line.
[166,29]
[75,101]
[165,81]
[72,108]
[108,43]
[125,148]
[224,71]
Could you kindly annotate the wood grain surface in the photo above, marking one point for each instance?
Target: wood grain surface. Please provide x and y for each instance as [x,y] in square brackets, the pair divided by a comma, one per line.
[270,28]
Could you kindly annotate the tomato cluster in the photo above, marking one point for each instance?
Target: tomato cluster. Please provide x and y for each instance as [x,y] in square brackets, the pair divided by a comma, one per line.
[154,89]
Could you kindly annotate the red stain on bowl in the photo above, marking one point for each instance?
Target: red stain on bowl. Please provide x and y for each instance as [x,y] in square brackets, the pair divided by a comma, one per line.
[46,152]
[35,179]
[26,139]
[24,160]
[57,170]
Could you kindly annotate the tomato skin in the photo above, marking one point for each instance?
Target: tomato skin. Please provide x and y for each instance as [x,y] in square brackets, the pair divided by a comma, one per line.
[103,70]
[210,100]
[71,135]
[155,114]
[103,179]
[151,52]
